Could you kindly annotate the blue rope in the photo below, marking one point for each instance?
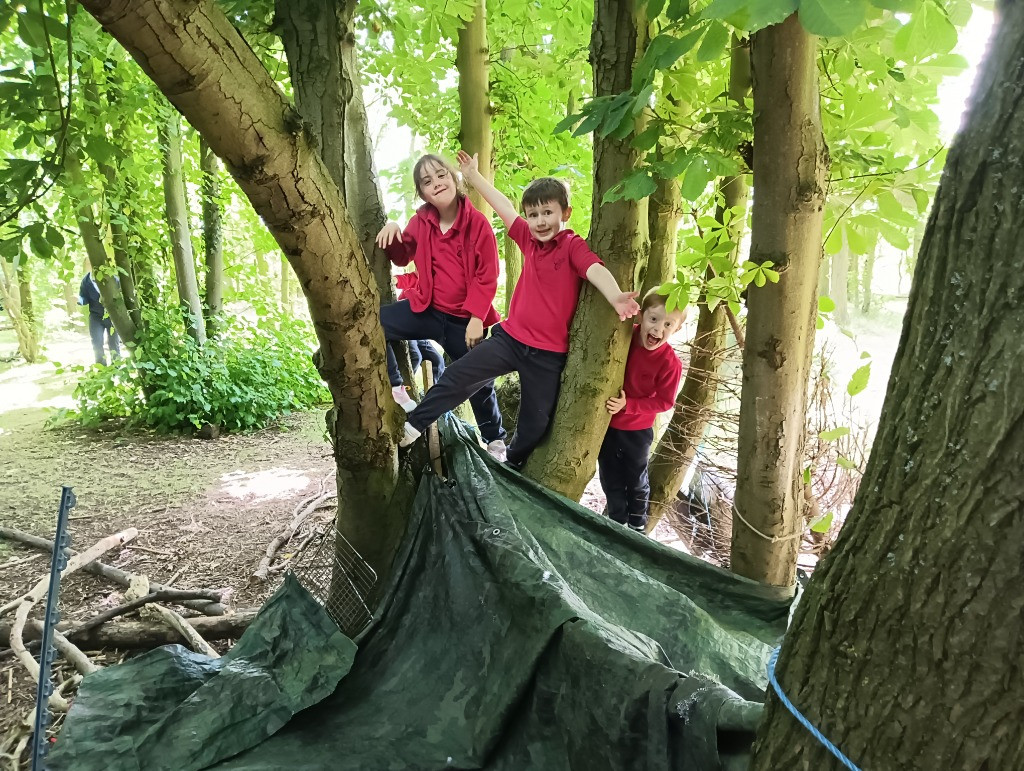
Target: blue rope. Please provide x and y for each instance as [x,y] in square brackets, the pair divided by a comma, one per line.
[802,720]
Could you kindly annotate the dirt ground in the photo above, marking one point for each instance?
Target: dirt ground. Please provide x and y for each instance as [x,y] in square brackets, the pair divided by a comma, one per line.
[205,510]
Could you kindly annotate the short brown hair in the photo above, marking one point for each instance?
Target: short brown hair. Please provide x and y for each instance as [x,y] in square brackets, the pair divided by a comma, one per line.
[546,190]
[437,161]
[654,298]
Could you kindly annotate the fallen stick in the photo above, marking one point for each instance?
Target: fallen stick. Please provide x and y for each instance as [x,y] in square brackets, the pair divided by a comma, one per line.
[144,634]
[164,595]
[285,535]
[57,702]
[294,556]
[118,576]
[71,652]
[178,624]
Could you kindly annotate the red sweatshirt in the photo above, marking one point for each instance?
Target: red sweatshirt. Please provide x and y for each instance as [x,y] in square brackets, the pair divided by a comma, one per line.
[457,270]
[650,383]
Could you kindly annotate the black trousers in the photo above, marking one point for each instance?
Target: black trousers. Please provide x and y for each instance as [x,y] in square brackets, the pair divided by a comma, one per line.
[400,322]
[622,467]
[540,375]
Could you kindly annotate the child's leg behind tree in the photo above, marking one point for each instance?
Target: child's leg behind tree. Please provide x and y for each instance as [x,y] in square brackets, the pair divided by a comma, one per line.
[464,377]
[636,453]
[540,376]
[613,482]
[400,322]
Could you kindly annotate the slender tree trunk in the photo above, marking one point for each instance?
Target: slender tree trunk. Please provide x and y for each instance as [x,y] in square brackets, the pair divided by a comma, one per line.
[474,95]
[213,237]
[15,290]
[696,401]
[598,340]
[177,221]
[906,648]
[867,277]
[664,210]
[790,161]
[320,44]
[286,286]
[215,79]
[513,268]
[838,285]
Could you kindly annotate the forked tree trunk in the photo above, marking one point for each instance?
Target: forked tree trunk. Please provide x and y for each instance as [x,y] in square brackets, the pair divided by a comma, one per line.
[906,648]
[474,95]
[212,76]
[177,222]
[598,340]
[323,64]
[790,161]
[213,237]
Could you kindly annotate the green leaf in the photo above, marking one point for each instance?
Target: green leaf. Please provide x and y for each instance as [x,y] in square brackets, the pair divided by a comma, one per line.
[834,433]
[714,43]
[832,18]
[648,138]
[807,475]
[859,380]
[677,9]
[904,6]
[844,462]
[826,304]
[654,8]
[865,354]
[822,524]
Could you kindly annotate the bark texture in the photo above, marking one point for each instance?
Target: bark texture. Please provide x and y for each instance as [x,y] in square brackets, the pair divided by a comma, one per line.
[790,162]
[664,210]
[180,233]
[323,65]
[474,96]
[513,268]
[598,340]
[213,236]
[209,73]
[907,648]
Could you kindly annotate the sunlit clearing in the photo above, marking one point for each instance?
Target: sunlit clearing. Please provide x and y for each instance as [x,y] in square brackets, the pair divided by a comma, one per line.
[268,484]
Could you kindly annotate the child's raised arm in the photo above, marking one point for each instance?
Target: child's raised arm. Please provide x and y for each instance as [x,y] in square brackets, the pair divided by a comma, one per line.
[624,303]
[503,207]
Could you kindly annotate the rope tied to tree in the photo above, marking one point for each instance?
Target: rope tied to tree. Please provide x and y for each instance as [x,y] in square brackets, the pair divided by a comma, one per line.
[770,538]
[772,660]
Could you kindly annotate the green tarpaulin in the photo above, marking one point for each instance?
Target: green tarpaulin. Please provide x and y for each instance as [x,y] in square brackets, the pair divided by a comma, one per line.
[519,630]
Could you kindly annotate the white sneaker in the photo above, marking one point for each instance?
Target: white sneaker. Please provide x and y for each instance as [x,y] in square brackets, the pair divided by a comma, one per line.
[403,398]
[409,436]
[497,449]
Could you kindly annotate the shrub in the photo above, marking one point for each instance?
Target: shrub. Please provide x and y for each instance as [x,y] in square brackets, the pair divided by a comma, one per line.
[251,373]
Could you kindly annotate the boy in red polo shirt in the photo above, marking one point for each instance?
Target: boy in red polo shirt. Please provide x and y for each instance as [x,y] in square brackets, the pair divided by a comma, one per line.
[649,387]
[535,339]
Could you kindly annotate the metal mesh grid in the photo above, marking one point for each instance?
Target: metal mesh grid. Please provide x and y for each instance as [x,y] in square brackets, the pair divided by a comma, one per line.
[339,579]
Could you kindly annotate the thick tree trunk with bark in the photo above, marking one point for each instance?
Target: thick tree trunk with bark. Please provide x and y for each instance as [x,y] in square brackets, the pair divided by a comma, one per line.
[513,268]
[177,221]
[474,95]
[664,210]
[212,76]
[213,237]
[907,646]
[598,340]
[320,44]
[790,162]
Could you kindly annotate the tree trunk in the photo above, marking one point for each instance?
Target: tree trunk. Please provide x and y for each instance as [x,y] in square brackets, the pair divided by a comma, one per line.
[786,219]
[286,287]
[867,277]
[177,221]
[513,269]
[695,402]
[320,44]
[906,648]
[598,340]
[474,98]
[10,293]
[838,285]
[213,237]
[215,79]
[664,210]
[71,306]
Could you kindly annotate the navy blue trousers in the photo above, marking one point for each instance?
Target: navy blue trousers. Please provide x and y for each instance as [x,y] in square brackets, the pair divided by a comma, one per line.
[622,468]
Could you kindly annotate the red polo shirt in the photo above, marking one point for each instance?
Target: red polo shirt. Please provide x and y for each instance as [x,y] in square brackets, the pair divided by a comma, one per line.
[545,297]
[457,270]
[651,382]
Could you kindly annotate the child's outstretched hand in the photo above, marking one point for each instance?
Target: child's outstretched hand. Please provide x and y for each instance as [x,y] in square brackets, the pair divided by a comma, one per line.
[616,403]
[388,234]
[467,162]
[626,305]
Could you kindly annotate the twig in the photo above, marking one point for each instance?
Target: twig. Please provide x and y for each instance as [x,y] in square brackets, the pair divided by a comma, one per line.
[25,603]
[12,563]
[313,533]
[302,511]
[109,572]
[160,552]
[179,624]
[165,595]
[72,653]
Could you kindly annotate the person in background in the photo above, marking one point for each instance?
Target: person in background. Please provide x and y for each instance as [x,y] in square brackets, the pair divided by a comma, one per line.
[100,326]
[419,350]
